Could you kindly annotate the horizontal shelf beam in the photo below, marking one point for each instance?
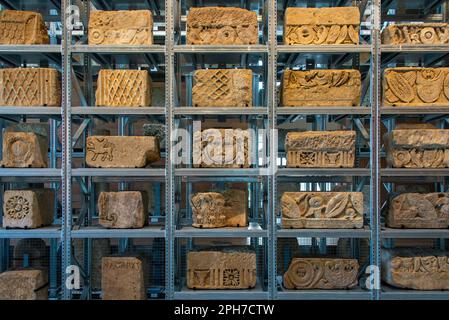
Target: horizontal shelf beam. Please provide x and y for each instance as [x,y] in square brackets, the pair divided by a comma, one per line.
[220,111]
[24,48]
[30,172]
[118,111]
[81,48]
[335,48]
[6,110]
[414,233]
[45,232]
[327,233]
[413,172]
[118,172]
[228,172]
[324,110]
[220,49]
[305,172]
[98,232]
[243,232]
[414,48]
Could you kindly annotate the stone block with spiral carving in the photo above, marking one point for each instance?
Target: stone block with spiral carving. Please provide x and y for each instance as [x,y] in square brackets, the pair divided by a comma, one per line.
[26,284]
[121,210]
[322,210]
[22,27]
[415,86]
[121,27]
[24,150]
[223,88]
[321,273]
[123,88]
[321,26]
[221,26]
[230,267]
[30,87]
[416,33]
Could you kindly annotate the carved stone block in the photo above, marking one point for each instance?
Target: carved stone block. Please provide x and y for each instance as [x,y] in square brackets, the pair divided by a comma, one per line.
[22,27]
[28,208]
[100,249]
[417,148]
[321,88]
[321,273]
[416,33]
[418,210]
[30,87]
[222,148]
[24,150]
[321,26]
[215,210]
[232,267]
[219,25]
[121,27]
[320,149]
[415,268]
[123,278]
[121,151]
[414,86]
[123,88]
[223,88]
[23,285]
[322,210]
[121,210]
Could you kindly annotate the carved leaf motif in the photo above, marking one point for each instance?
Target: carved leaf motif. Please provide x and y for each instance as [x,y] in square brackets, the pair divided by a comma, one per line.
[333,34]
[400,87]
[336,205]
[303,204]
[429,85]
[321,34]
[353,34]
[342,35]
[340,78]
[446,86]
[416,158]
[433,158]
[289,207]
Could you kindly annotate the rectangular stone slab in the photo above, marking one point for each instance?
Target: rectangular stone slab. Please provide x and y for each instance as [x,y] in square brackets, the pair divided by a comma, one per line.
[417,148]
[28,208]
[222,148]
[22,27]
[121,151]
[121,27]
[315,273]
[419,211]
[321,88]
[320,149]
[216,210]
[122,278]
[220,25]
[30,87]
[414,86]
[416,33]
[119,210]
[223,88]
[232,267]
[415,268]
[123,88]
[24,150]
[321,26]
[322,210]
[23,285]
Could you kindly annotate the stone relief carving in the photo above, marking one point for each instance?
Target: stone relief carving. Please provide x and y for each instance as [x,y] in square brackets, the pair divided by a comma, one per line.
[320,149]
[24,150]
[23,285]
[220,25]
[416,33]
[223,88]
[321,88]
[121,27]
[123,88]
[321,26]
[231,267]
[414,86]
[22,27]
[322,210]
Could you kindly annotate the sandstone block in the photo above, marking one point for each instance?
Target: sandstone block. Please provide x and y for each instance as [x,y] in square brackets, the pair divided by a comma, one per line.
[324,210]
[321,88]
[124,209]
[24,149]
[321,26]
[215,210]
[123,88]
[219,25]
[30,87]
[28,208]
[222,148]
[414,86]
[321,273]
[417,148]
[320,149]
[417,210]
[121,27]
[232,267]
[122,278]
[121,151]
[22,27]
[415,268]
[416,33]
[23,285]
[223,88]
